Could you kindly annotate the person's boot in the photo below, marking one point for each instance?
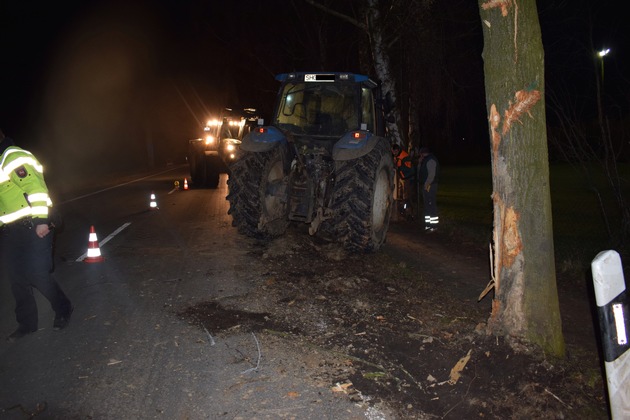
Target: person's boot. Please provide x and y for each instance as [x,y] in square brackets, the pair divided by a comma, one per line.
[62,321]
[19,333]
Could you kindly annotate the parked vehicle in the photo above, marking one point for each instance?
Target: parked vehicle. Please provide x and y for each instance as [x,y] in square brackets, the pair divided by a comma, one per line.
[323,161]
[210,155]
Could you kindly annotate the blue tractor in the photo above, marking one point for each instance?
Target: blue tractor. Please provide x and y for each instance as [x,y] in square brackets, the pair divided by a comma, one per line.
[324,161]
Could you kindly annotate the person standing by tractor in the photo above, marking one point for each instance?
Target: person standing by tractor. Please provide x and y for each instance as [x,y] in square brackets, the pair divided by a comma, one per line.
[26,238]
[428,177]
[406,172]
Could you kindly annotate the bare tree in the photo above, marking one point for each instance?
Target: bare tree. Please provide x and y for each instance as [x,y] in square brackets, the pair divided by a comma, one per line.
[526,304]
[381,32]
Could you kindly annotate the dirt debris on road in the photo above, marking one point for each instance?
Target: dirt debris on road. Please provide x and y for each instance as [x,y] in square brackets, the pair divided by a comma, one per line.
[403,335]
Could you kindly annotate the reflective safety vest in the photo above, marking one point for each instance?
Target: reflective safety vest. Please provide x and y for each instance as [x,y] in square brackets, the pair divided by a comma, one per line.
[404,165]
[23,191]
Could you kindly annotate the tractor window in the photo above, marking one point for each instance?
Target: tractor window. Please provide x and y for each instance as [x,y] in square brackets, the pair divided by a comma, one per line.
[230,129]
[367,109]
[292,111]
[321,109]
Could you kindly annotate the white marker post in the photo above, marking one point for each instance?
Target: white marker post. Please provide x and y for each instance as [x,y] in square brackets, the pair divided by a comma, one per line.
[612,308]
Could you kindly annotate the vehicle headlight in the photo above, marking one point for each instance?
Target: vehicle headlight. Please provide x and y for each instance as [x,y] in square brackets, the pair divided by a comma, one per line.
[209,140]
[230,148]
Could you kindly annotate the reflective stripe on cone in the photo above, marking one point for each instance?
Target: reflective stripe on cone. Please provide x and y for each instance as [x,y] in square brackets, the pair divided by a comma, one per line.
[93,251]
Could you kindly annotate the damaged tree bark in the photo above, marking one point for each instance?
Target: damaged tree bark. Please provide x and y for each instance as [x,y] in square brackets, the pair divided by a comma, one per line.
[525,305]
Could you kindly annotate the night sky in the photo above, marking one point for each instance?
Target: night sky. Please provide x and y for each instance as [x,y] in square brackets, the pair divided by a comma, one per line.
[104,79]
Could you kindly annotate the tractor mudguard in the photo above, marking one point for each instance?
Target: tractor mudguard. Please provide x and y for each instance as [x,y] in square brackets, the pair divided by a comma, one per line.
[355,144]
[262,139]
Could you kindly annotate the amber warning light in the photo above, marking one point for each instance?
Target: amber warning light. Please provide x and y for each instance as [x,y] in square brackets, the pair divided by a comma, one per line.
[357,137]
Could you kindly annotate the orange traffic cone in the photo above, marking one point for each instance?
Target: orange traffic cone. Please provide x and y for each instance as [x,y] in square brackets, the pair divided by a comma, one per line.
[93,252]
[185,183]
[153,204]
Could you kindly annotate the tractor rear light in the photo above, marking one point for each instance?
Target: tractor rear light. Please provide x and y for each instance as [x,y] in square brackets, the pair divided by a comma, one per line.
[358,135]
[261,130]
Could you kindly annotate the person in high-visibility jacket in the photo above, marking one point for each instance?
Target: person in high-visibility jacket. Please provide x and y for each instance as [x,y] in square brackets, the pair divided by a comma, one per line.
[26,239]
[406,174]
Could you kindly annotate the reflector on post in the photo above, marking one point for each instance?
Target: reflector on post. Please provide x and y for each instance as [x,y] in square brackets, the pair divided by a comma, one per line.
[612,302]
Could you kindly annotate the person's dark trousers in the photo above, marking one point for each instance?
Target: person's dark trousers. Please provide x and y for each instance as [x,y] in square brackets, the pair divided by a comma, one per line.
[431,218]
[27,263]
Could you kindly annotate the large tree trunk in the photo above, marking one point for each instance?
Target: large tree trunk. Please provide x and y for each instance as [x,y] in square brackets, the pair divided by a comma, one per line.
[526,299]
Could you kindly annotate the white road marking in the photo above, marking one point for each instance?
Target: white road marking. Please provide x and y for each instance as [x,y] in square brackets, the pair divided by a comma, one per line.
[104,241]
[113,187]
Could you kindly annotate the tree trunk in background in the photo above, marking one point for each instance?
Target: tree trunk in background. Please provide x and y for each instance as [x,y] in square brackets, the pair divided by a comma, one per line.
[526,299]
[413,133]
[382,68]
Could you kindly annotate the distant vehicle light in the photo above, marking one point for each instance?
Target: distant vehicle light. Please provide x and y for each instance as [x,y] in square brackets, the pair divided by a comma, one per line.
[232,155]
[209,140]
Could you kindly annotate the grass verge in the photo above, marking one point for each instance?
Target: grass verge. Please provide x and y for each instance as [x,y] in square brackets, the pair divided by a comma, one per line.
[580,228]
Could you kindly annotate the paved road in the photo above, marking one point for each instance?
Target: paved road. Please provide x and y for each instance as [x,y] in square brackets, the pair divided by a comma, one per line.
[127,353]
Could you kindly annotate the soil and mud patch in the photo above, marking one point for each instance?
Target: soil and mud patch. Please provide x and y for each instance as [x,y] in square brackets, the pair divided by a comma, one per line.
[406,339]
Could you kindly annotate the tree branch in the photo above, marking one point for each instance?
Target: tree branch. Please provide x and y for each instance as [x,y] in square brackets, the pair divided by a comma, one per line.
[337,14]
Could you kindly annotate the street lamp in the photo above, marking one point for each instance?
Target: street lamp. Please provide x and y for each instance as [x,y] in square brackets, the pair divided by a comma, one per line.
[601,55]
[599,87]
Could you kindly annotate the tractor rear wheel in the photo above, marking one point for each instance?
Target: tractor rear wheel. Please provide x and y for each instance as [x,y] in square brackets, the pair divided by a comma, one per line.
[257,193]
[197,169]
[362,200]
[205,171]
[213,173]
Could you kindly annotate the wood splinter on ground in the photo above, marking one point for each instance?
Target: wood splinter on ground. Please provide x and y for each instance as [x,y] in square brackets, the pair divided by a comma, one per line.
[342,387]
[456,371]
